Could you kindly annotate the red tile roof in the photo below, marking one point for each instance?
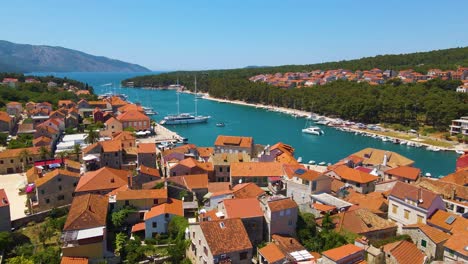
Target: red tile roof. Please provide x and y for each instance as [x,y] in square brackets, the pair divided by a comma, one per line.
[342,252]
[458,243]
[281,204]
[406,172]
[256,169]
[243,208]
[404,191]
[191,182]
[173,206]
[432,233]
[5,117]
[271,253]
[226,235]
[244,142]
[14,153]
[74,260]
[102,179]
[149,171]
[132,116]
[87,211]
[138,227]
[405,252]
[247,190]
[147,148]
[130,194]
[349,174]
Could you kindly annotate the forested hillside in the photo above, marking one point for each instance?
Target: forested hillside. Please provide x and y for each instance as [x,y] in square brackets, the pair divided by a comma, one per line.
[433,103]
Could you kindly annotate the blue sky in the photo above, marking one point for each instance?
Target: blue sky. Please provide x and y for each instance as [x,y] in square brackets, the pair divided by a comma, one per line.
[173,34]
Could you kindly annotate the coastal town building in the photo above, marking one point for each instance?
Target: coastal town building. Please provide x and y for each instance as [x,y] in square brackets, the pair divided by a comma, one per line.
[158,217]
[429,240]
[54,189]
[403,173]
[456,247]
[222,164]
[234,144]
[280,216]
[102,181]
[410,204]
[403,252]
[147,154]
[264,174]
[345,254]
[359,180]
[285,249]
[219,241]
[85,233]
[459,126]
[6,122]
[301,183]
[16,160]
[134,119]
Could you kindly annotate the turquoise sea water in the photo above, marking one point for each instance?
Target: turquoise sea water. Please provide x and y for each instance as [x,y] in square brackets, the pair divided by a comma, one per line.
[264,126]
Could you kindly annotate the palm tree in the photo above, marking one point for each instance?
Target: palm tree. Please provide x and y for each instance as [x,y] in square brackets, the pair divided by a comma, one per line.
[62,155]
[76,151]
[44,152]
[92,137]
[25,155]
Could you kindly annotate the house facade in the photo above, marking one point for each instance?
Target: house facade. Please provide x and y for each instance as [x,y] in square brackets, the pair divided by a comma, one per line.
[280,216]
[5,220]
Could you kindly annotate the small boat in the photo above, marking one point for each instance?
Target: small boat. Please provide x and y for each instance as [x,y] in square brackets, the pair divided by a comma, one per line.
[459,152]
[220,124]
[150,112]
[403,142]
[428,174]
[311,162]
[313,130]
[322,122]
[323,163]
[385,139]
[431,148]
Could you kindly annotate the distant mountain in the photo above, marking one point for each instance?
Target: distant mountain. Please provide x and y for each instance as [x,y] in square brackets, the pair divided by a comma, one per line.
[255,66]
[39,58]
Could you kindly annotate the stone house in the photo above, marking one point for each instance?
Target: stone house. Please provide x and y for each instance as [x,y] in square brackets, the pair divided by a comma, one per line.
[54,189]
[455,248]
[147,154]
[360,181]
[219,241]
[14,108]
[429,240]
[84,233]
[234,144]
[345,254]
[102,181]
[259,173]
[403,252]
[11,160]
[301,183]
[6,122]
[222,164]
[157,219]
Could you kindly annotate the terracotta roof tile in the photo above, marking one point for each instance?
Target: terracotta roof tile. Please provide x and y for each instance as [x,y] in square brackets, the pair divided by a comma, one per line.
[131,194]
[133,116]
[281,204]
[404,191]
[445,188]
[458,243]
[287,244]
[173,206]
[215,187]
[111,145]
[458,178]
[247,190]
[74,260]
[5,117]
[226,235]
[123,136]
[13,153]
[191,182]
[375,157]
[242,208]
[405,252]
[406,172]
[439,220]
[244,142]
[102,179]
[349,174]
[147,148]
[55,173]
[256,169]
[205,151]
[342,252]
[149,171]
[138,227]
[432,233]
[87,211]
[271,253]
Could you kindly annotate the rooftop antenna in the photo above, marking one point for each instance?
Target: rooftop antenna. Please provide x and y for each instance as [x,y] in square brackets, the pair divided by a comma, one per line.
[196,110]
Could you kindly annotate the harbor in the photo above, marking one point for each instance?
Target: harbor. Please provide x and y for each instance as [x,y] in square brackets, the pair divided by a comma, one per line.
[266,124]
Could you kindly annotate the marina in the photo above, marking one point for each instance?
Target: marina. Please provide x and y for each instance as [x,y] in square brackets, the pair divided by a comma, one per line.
[269,125]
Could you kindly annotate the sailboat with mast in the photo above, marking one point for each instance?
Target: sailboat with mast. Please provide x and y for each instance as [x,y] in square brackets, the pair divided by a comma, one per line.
[185,118]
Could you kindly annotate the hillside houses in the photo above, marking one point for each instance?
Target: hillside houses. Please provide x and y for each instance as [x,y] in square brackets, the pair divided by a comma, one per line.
[374,77]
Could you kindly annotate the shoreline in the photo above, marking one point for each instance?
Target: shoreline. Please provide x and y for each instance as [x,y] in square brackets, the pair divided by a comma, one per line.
[303,114]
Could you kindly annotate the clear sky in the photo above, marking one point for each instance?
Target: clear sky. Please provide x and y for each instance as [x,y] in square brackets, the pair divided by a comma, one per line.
[173,34]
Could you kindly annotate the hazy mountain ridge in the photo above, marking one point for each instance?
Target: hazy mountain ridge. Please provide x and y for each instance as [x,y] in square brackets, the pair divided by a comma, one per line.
[40,58]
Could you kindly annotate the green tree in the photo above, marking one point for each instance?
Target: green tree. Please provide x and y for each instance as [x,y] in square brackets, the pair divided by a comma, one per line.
[120,241]
[77,151]
[93,137]
[177,250]
[44,152]
[176,227]
[19,260]
[6,240]
[49,255]
[119,217]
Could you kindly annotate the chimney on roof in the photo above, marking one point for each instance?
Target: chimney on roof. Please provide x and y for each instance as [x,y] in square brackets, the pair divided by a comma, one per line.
[112,180]
[290,240]
[89,208]
[384,162]
[5,201]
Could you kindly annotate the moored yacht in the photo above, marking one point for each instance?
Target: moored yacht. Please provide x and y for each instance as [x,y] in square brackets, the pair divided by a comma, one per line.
[313,130]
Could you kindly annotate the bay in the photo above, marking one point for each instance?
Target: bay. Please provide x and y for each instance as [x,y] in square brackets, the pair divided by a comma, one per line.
[264,126]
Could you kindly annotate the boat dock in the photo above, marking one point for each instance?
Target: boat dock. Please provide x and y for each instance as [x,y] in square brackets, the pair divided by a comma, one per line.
[165,134]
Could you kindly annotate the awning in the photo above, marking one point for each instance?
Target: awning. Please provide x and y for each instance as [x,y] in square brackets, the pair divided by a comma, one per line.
[55,165]
[89,157]
[274,179]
